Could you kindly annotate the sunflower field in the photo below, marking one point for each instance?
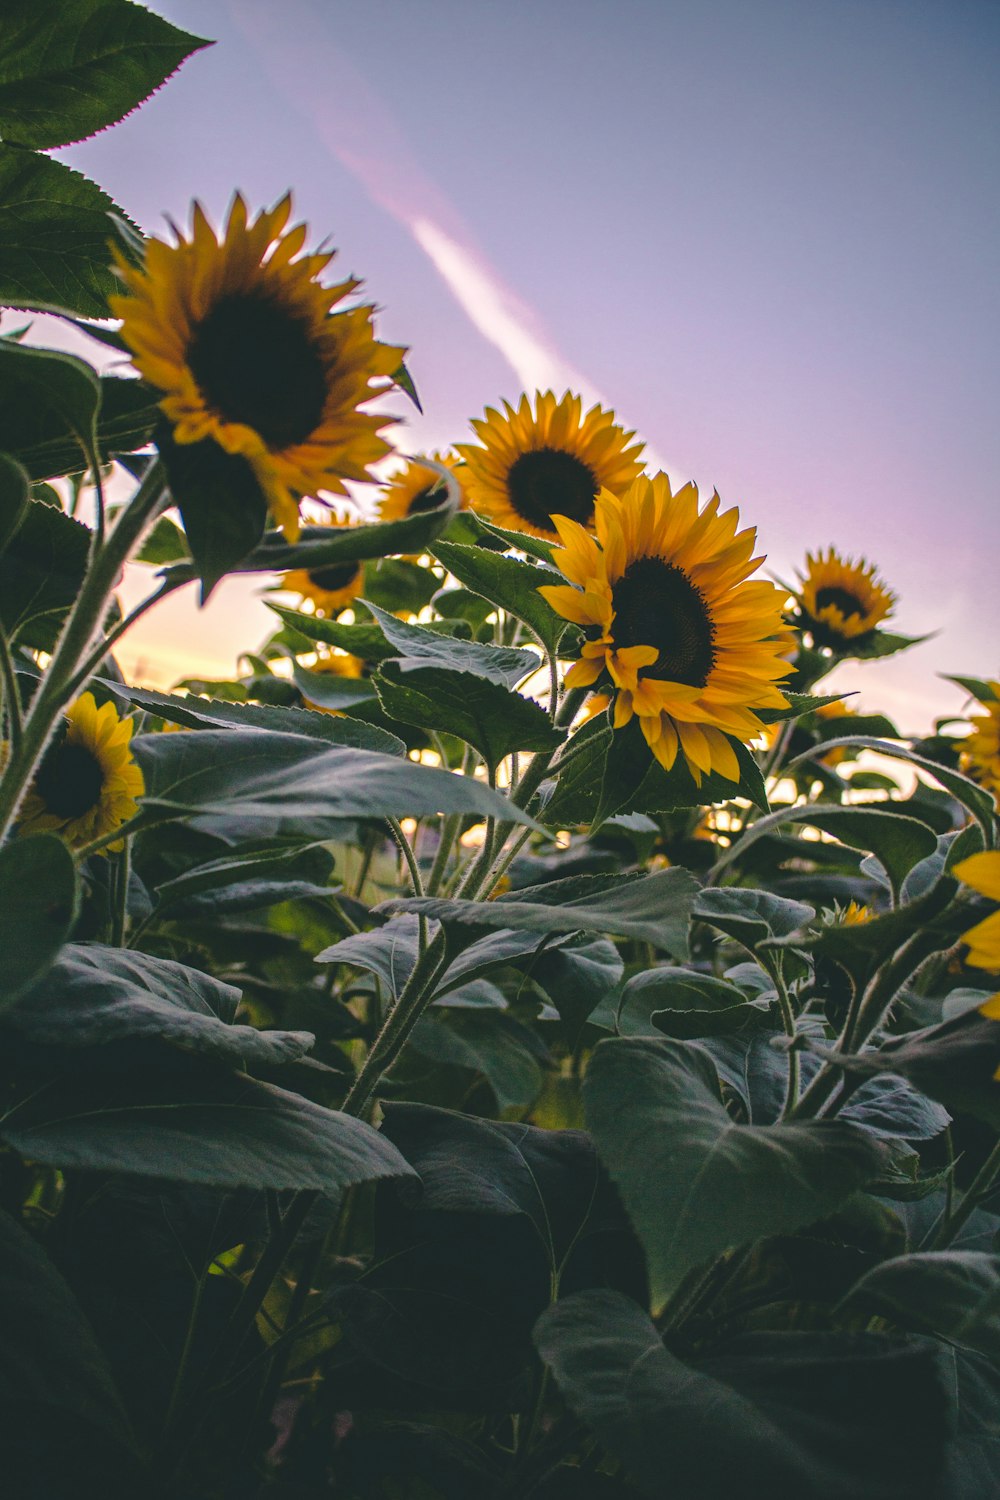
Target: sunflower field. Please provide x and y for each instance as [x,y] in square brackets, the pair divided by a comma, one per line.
[522,1039]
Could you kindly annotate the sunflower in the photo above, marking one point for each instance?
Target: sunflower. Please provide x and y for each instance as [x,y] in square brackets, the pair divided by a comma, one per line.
[533,466]
[330,586]
[691,645]
[416,488]
[982,873]
[241,337]
[88,781]
[980,757]
[842,601]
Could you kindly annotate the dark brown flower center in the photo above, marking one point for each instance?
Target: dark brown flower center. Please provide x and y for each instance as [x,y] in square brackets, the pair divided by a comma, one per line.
[840,599]
[336,576]
[656,604]
[257,364]
[69,780]
[548,482]
[428,498]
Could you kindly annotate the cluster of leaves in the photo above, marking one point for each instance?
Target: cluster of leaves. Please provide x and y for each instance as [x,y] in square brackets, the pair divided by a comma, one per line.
[434,1097]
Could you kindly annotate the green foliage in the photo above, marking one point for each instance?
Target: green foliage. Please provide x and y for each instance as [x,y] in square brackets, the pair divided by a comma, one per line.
[37,908]
[41,569]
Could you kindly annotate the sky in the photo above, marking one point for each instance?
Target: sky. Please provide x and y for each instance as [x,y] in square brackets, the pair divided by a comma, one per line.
[766,234]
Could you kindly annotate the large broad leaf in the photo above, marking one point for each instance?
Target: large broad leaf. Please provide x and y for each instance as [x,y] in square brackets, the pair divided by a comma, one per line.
[391,951]
[577,976]
[224,1129]
[694,1183]
[46,397]
[507,1055]
[749,915]
[245,882]
[288,784]
[897,841]
[977,799]
[954,1293]
[634,781]
[328,691]
[71,69]
[55,1378]
[54,231]
[41,569]
[501,665]
[126,418]
[13,497]
[221,502]
[655,908]
[211,713]
[491,718]
[508,583]
[828,1416]
[577,776]
[37,906]
[93,996]
[684,1004]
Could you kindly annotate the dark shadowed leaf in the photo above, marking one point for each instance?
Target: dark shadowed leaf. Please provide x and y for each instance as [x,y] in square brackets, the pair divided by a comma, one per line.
[509,583]
[493,719]
[222,505]
[13,497]
[954,1293]
[501,665]
[41,570]
[749,915]
[210,713]
[37,907]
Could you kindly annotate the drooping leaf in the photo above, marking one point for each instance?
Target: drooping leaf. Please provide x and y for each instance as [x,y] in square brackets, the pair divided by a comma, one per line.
[54,232]
[790,1413]
[577,976]
[41,570]
[93,995]
[502,665]
[683,1004]
[222,505]
[694,1183]
[750,915]
[245,882]
[72,69]
[227,1130]
[47,397]
[493,719]
[655,908]
[37,907]
[299,787]
[953,1293]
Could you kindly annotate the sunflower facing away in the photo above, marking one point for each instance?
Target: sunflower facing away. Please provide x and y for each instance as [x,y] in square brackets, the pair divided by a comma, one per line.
[982,872]
[980,756]
[88,781]
[533,466]
[242,338]
[691,645]
[842,601]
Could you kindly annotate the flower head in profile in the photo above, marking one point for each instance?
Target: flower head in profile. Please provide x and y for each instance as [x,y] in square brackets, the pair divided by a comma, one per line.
[980,750]
[982,873]
[841,601]
[88,781]
[252,350]
[532,465]
[674,622]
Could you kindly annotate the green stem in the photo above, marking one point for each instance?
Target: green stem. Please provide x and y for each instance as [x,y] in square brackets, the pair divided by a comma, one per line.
[446,842]
[83,622]
[119,915]
[948,1225]
[402,843]
[9,694]
[93,661]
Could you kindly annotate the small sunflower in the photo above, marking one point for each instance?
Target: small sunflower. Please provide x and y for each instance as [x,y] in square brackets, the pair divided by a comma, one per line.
[330,587]
[854,914]
[691,645]
[980,757]
[242,338]
[88,781]
[982,873]
[842,601]
[533,466]
[416,488]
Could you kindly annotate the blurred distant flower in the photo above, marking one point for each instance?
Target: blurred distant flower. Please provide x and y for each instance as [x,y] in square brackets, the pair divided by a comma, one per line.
[842,601]
[982,872]
[336,664]
[854,914]
[534,465]
[415,488]
[88,781]
[241,337]
[662,593]
[331,586]
[980,751]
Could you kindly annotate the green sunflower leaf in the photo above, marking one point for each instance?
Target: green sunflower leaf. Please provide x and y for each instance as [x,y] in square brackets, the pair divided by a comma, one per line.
[634,781]
[508,583]
[502,665]
[226,1130]
[54,230]
[976,798]
[72,68]
[34,430]
[13,497]
[247,882]
[492,719]
[37,908]
[695,1184]
[790,1412]
[210,713]
[289,785]
[95,996]
[41,569]
[748,915]
[364,640]
[505,1053]
[976,687]
[222,506]
[47,397]
[954,1293]
[883,643]
[655,908]
[164,545]
[327,690]
[578,775]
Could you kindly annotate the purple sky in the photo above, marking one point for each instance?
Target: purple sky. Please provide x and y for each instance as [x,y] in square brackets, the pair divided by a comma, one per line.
[766,233]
